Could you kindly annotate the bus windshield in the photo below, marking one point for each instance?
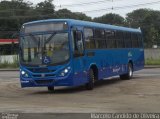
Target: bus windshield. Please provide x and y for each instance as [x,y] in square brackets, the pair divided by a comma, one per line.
[45,49]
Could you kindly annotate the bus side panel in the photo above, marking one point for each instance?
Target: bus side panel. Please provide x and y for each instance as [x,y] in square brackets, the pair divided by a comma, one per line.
[79,71]
[108,62]
[97,59]
[115,62]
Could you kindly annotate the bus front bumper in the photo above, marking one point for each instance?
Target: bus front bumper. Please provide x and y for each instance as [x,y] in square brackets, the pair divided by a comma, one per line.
[29,82]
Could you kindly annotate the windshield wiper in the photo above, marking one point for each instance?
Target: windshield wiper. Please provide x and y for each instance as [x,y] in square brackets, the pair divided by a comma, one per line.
[50,38]
[33,38]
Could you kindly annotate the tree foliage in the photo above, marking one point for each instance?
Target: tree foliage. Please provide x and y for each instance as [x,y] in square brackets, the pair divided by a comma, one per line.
[11,16]
[149,21]
[16,12]
[45,7]
[65,13]
[114,19]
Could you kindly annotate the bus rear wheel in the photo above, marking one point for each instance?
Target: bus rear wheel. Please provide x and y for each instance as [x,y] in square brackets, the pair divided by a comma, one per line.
[129,74]
[51,89]
[91,80]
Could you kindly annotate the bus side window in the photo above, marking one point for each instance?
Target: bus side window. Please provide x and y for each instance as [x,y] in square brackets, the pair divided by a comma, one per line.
[89,41]
[110,36]
[134,40]
[100,39]
[120,39]
[127,38]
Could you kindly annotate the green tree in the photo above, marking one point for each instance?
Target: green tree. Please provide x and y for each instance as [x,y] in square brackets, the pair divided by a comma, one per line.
[135,18]
[65,13]
[10,14]
[114,19]
[148,21]
[45,9]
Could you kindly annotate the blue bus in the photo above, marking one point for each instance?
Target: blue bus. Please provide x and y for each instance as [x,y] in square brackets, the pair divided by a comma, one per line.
[67,52]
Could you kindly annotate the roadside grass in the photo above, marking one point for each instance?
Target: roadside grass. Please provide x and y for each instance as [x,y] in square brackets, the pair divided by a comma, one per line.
[7,64]
[151,61]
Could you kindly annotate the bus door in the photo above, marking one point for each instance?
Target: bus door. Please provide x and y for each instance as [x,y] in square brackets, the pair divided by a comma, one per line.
[78,55]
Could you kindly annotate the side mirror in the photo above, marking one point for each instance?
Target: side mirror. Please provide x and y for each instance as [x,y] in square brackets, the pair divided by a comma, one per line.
[80,46]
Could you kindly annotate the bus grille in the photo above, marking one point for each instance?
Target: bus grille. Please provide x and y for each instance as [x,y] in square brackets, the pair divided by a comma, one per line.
[40,70]
[45,75]
[43,82]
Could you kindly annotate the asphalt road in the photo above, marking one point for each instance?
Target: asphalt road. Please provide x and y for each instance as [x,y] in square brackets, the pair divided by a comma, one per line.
[141,94]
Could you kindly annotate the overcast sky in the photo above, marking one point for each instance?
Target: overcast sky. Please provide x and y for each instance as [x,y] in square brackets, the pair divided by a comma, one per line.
[104,4]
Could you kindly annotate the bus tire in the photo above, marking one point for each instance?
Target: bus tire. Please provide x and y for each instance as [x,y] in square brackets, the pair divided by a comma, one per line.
[51,89]
[129,74]
[91,80]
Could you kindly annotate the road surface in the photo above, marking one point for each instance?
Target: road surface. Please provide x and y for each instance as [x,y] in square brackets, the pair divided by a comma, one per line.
[141,94]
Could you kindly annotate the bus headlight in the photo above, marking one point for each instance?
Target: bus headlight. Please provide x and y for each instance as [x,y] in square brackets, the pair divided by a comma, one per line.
[24,74]
[65,71]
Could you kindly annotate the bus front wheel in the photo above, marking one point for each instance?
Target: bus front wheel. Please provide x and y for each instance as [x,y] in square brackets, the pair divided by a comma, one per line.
[91,80]
[129,73]
[51,88]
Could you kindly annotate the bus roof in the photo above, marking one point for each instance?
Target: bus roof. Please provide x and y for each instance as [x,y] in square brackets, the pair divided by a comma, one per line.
[73,22]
